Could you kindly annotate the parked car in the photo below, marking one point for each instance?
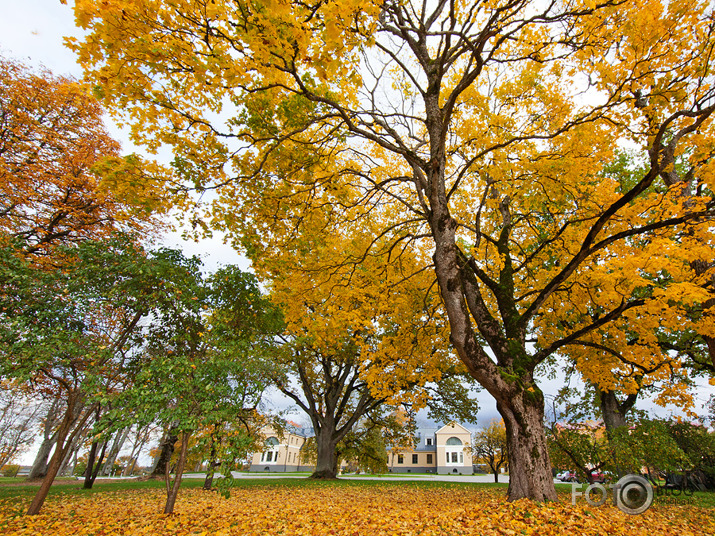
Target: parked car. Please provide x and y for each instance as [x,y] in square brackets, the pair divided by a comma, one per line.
[567,476]
[599,477]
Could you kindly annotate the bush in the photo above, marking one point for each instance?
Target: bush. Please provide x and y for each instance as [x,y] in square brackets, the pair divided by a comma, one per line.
[10,470]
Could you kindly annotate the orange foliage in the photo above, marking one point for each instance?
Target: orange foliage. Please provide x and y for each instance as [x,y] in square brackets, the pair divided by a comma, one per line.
[354,510]
[62,178]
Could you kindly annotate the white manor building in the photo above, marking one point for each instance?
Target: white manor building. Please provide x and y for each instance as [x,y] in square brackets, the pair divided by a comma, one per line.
[443,451]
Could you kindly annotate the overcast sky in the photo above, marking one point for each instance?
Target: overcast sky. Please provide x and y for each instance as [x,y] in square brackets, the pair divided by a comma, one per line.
[32,31]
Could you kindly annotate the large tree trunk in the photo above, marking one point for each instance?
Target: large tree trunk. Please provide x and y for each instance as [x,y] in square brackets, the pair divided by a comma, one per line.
[164,457]
[614,412]
[49,437]
[326,465]
[39,466]
[529,465]
[172,491]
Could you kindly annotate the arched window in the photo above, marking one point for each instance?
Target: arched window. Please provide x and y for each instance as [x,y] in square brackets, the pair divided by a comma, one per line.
[270,455]
[454,451]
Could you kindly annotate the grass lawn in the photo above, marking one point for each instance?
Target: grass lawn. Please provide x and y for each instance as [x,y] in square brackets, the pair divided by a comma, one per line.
[290,506]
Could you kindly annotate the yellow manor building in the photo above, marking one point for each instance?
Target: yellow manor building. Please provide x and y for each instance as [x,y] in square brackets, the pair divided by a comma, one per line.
[443,451]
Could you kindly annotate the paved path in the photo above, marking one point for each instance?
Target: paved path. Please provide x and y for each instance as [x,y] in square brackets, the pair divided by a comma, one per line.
[403,477]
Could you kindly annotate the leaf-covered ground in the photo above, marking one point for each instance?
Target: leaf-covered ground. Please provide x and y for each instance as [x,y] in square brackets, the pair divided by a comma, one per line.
[355,510]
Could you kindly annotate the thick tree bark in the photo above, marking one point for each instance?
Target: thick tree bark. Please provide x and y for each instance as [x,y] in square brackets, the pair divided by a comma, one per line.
[172,491]
[39,466]
[529,464]
[614,412]
[326,466]
[164,457]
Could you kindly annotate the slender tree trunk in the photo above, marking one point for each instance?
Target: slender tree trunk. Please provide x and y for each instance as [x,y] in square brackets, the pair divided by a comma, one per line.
[90,474]
[119,440]
[173,491]
[142,437]
[63,435]
[326,466]
[211,469]
[71,457]
[529,464]
[210,473]
[49,433]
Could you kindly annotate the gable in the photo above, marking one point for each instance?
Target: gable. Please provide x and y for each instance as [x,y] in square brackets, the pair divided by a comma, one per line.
[453,428]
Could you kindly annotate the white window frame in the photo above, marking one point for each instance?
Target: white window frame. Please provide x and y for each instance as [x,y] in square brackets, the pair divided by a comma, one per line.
[454,454]
[271,452]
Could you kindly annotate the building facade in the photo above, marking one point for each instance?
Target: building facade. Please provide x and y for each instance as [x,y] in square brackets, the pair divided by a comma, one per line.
[443,451]
[283,451]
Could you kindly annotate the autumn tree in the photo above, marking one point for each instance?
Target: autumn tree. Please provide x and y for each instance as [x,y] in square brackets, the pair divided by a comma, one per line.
[481,128]
[357,340]
[202,365]
[69,332]
[489,446]
[62,176]
[19,416]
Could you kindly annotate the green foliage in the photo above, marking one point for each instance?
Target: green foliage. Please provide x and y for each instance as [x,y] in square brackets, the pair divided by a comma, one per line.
[697,443]
[646,445]
[649,445]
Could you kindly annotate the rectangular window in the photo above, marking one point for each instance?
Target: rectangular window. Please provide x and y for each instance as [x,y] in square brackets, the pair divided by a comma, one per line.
[429,459]
[414,459]
[454,457]
[269,456]
[400,458]
[429,441]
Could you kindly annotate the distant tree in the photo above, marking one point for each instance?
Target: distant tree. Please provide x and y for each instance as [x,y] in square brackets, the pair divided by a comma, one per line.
[19,416]
[580,446]
[489,446]
[62,178]
[698,444]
